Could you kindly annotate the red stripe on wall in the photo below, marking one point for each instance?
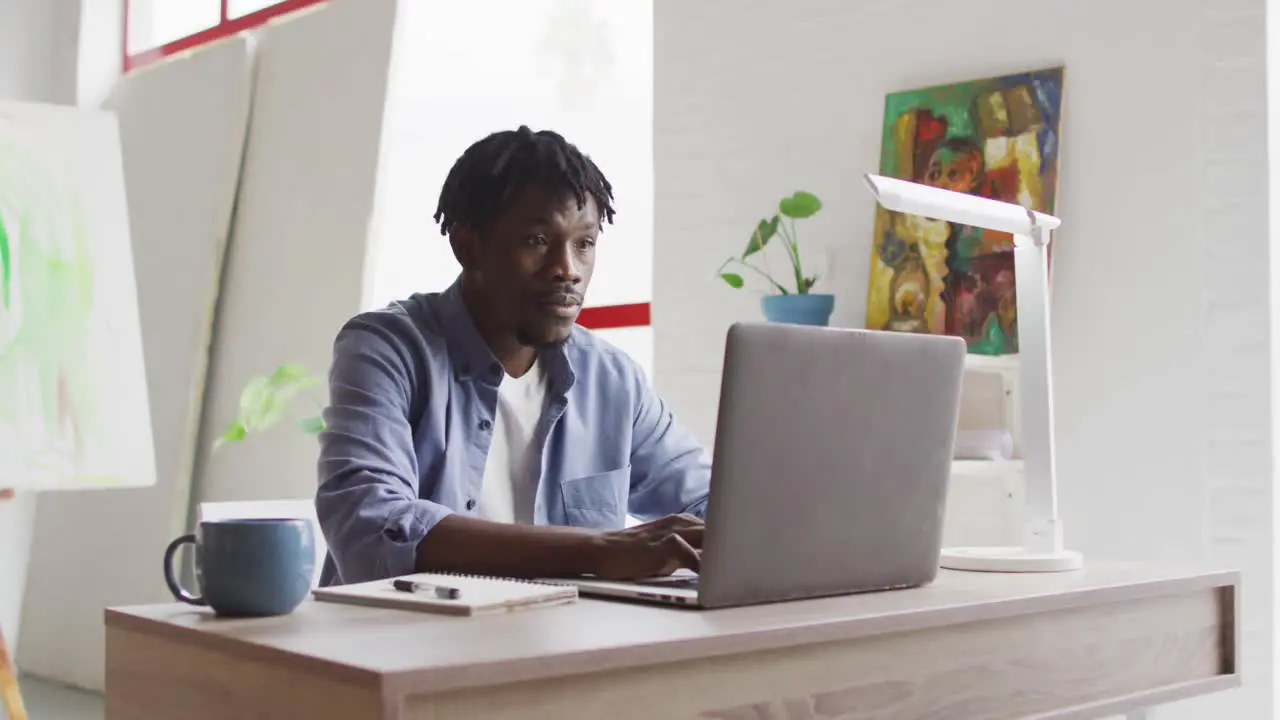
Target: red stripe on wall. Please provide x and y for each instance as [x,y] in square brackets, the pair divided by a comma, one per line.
[226,28]
[615,316]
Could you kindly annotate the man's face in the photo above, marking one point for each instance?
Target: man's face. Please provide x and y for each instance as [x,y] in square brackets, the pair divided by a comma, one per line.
[535,262]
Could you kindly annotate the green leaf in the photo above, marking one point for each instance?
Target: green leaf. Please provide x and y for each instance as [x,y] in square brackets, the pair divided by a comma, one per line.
[290,379]
[311,425]
[266,399]
[801,204]
[235,432]
[290,373]
[733,279]
[258,404]
[760,237]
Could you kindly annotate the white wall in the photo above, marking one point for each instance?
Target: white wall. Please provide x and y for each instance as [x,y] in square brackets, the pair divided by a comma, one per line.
[1273,188]
[100,57]
[37,62]
[1160,281]
[38,58]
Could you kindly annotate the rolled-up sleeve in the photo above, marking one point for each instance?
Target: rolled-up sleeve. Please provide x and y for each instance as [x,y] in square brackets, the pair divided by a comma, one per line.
[367,501]
[670,469]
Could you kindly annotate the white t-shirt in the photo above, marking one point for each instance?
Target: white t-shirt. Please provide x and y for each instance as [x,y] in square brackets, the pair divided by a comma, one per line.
[514,464]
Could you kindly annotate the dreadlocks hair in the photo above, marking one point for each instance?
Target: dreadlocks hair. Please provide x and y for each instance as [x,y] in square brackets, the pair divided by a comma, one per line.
[492,171]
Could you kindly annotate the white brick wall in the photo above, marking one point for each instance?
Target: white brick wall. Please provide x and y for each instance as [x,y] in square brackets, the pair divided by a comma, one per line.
[1160,290]
[1234,352]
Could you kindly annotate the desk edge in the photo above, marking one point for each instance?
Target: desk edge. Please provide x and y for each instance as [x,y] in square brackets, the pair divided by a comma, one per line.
[236,647]
[402,683]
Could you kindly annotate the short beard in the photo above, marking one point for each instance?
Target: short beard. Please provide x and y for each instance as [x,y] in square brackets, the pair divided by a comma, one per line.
[523,337]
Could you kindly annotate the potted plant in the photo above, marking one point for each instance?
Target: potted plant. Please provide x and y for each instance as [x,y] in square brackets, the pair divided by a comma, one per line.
[268,399]
[800,305]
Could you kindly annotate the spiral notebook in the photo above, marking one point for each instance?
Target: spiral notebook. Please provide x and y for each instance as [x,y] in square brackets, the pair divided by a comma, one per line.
[475,595]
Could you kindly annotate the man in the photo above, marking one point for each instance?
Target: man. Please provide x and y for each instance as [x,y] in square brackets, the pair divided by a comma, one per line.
[479,430]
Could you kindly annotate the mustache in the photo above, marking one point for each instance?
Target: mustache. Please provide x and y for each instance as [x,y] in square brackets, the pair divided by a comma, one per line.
[560,296]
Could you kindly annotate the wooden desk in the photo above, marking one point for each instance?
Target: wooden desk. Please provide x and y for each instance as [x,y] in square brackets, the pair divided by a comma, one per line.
[1106,640]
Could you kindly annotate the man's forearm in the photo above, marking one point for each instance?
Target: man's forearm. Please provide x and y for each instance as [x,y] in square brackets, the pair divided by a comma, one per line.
[462,544]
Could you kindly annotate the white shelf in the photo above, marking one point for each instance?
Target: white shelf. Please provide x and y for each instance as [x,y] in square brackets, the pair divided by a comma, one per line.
[985,468]
[991,363]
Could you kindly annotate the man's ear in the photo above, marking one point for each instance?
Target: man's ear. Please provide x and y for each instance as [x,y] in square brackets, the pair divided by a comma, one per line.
[465,243]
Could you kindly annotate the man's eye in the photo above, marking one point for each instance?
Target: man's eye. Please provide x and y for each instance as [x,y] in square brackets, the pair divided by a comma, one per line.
[537,239]
[586,243]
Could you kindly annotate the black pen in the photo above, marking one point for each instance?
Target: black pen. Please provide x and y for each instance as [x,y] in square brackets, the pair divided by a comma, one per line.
[441,591]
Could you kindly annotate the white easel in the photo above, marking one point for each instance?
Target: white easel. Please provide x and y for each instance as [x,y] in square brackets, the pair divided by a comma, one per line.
[10,693]
[84,146]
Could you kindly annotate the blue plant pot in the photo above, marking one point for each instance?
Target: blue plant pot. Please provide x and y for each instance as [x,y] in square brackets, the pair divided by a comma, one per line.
[798,309]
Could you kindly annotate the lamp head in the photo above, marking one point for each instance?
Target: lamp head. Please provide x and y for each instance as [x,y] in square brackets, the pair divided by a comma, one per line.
[916,199]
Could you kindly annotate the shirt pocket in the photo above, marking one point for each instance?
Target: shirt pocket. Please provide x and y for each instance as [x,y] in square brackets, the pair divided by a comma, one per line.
[597,501]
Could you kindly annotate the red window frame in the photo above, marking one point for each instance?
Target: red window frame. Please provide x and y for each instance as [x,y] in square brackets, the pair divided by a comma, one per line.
[597,318]
[226,27]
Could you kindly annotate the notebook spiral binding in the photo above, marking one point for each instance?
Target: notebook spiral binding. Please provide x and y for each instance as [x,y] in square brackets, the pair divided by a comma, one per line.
[469,576]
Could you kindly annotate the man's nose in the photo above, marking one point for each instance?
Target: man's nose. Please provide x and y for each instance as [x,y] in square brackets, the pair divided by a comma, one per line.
[564,264]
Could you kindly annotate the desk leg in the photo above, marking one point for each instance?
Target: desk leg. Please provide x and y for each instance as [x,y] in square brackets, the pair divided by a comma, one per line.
[9,692]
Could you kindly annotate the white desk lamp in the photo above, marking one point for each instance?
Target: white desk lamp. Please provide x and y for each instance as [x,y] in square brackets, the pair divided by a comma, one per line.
[1042,549]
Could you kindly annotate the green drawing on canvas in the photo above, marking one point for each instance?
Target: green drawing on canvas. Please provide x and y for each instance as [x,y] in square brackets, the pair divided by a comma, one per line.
[46,309]
[5,272]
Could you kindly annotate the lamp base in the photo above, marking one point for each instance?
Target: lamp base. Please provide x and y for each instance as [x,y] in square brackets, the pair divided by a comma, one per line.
[1010,560]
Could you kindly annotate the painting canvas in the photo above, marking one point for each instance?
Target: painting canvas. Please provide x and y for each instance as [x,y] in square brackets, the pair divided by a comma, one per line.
[996,138]
[73,396]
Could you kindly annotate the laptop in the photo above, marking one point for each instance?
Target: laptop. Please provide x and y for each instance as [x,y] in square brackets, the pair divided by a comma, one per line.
[829,477]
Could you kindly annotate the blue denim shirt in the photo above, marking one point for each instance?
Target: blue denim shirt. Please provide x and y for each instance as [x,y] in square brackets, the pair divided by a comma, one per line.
[413,390]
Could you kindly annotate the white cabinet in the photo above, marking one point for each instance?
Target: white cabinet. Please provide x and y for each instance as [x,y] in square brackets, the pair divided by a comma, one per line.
[984,504]
[985,498]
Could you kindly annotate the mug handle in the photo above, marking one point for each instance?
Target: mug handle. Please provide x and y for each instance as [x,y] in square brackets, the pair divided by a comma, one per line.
[171,580]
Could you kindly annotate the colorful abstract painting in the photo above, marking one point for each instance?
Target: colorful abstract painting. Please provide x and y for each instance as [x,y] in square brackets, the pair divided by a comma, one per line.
[73,397]
[997,138]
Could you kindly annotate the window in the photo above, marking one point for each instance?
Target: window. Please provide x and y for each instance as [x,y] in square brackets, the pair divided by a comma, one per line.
[240,8]
[154,29]
[153,23]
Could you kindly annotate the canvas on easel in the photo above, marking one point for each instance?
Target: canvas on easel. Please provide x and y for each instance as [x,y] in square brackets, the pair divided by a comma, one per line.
[73,396]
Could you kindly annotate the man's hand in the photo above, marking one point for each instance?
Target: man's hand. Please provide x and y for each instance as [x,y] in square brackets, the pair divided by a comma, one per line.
[479,547]
[653,549]
[5,494]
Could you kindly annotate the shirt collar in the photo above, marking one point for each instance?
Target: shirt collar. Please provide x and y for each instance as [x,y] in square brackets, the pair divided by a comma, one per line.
[471,356]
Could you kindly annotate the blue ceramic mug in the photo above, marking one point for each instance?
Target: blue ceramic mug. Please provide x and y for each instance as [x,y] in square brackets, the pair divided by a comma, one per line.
[248,568]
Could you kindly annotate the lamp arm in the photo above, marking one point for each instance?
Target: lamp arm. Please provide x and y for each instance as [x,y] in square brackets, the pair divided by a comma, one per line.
[1031,266]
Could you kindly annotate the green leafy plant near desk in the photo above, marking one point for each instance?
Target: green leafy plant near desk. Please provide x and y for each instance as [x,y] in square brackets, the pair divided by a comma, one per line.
[269,399]
[797,206]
